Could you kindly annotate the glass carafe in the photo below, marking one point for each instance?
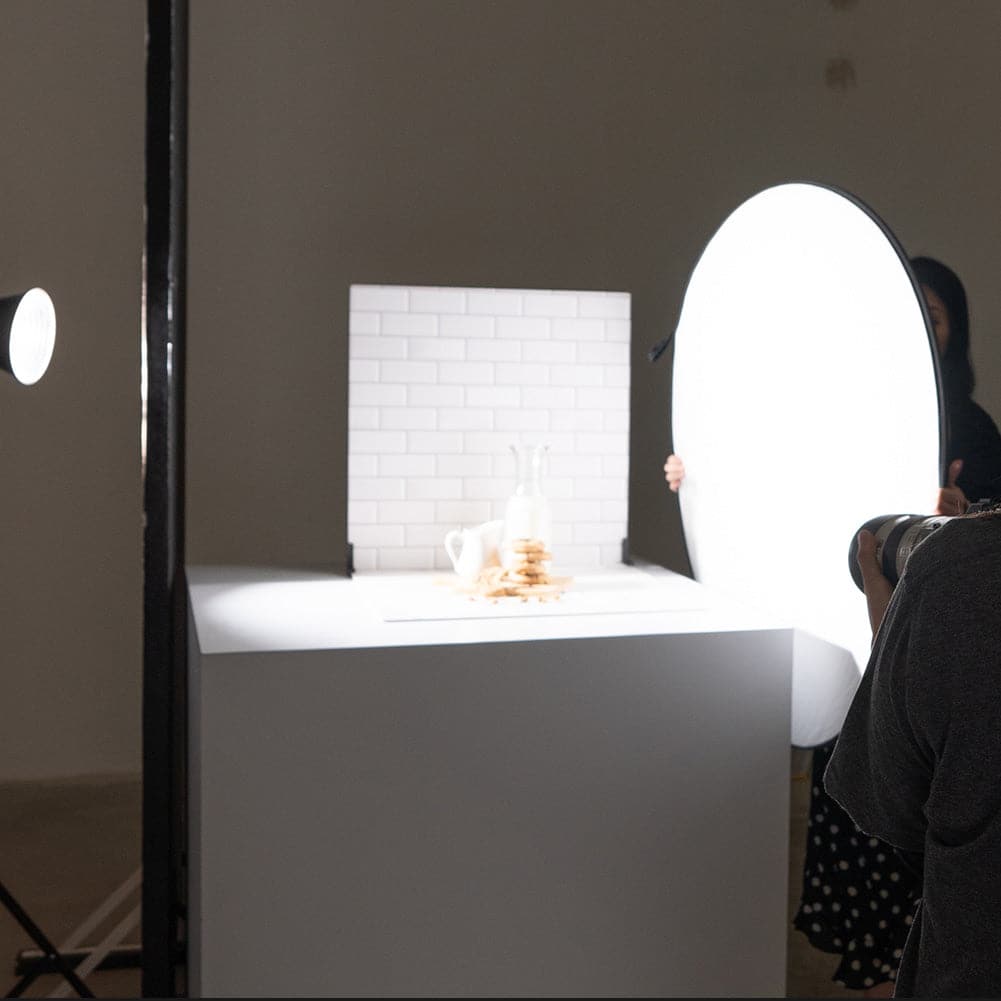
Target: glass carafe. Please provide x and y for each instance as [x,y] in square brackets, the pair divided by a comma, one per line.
[527,513]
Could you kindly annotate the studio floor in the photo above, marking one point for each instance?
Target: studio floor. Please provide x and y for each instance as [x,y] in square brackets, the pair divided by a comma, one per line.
[67,846]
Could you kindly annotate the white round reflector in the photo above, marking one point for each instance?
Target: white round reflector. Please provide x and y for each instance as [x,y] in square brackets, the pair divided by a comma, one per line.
[805,402]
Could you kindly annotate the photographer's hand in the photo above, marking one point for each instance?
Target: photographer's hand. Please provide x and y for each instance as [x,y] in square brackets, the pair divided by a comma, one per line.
[877,588]
[951,499]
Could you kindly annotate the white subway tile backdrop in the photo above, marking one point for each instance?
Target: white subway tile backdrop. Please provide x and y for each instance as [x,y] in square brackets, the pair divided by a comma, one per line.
[443,381]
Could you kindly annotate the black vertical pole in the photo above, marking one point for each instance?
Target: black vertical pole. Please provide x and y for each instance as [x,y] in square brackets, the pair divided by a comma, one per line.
[164,598]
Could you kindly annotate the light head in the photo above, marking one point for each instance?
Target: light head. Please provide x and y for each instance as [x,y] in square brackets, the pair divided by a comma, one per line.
[27,334]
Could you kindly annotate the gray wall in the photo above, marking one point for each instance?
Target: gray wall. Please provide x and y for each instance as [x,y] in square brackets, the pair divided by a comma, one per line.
[523,144]
[547,144]
[71,176]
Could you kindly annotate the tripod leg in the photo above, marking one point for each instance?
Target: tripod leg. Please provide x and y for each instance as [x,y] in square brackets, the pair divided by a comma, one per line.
[38,936]
[103,948]
[21,986]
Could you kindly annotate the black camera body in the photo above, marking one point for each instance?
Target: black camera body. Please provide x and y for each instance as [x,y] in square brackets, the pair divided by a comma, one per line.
[898,535]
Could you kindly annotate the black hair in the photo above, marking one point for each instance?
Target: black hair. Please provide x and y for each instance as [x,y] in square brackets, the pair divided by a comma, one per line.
[957,369]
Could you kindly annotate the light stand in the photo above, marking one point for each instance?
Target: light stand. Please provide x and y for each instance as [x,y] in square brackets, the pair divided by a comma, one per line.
[27,337]
[52,954]
[164,878]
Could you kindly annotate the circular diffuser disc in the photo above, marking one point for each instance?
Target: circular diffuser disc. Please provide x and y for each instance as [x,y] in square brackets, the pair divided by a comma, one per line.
[805,402]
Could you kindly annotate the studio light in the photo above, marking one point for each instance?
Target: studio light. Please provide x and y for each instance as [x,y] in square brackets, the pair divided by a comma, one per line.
[27,337]
[27,334]
[805,398]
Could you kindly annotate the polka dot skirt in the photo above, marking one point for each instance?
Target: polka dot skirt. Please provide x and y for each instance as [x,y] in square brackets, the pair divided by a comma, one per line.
[858,898]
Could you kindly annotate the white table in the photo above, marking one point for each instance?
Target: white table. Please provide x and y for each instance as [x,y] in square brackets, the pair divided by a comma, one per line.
[395,790]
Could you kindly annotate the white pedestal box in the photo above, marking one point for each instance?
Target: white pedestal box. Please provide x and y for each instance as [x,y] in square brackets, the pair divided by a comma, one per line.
[517,800]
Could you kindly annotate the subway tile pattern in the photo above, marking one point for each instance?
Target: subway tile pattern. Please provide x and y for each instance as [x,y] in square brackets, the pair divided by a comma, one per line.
[442,381]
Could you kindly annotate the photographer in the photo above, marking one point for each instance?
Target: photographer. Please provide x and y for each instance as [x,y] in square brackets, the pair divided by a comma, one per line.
[918,761]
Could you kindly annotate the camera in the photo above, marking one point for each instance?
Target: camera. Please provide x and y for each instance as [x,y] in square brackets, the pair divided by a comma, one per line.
[898,535]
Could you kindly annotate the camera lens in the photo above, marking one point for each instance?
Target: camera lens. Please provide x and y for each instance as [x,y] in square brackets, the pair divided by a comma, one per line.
[897,536]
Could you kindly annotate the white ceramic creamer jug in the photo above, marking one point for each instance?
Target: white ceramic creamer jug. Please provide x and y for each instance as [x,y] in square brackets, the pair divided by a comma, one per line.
[472,549]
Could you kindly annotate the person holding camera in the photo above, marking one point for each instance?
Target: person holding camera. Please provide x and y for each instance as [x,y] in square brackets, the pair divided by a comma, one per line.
[858,897]
[918,762]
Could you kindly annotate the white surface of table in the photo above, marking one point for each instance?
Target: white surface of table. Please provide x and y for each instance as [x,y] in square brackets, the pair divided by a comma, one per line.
[247,609]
